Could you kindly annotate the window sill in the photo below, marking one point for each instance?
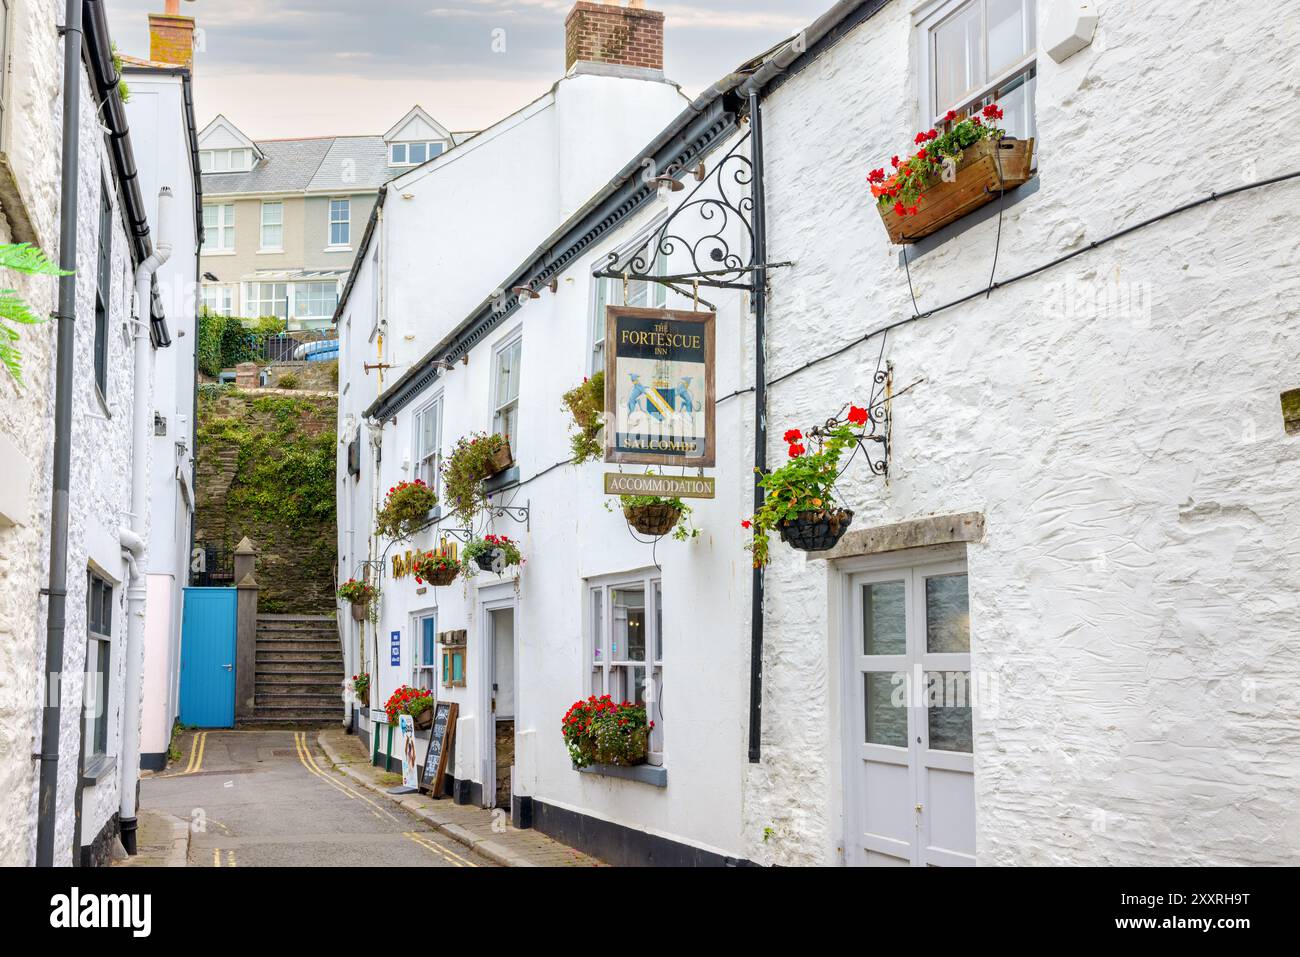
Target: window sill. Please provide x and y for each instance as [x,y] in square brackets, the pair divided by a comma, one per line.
[337,249]
[270,252]
[98,768]
[502,480]
[651,774]
[218,252]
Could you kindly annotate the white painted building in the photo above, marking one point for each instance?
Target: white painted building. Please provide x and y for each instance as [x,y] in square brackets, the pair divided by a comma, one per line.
[1072,521]
[119,342]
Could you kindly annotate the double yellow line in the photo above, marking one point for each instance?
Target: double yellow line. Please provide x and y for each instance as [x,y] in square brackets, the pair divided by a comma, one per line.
[198,745]
[423,840]
[216,858]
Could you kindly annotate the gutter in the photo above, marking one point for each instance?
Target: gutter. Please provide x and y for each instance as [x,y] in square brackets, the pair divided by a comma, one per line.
[57,588]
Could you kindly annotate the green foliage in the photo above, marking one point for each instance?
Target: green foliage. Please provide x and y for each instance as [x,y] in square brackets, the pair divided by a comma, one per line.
[685,528]
[905,189]
[602,731]
[14,311]
[406,510]
[586,403]
[123,91]
[287,381]
[486,546]
[469,464]
[805,484]
[282,494]
[226,341]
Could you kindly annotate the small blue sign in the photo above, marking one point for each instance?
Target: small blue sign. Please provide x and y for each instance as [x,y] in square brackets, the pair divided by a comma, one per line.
[397,649]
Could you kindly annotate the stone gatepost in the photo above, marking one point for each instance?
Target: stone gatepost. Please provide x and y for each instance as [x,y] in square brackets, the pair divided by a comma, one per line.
[245,630]
[248,375]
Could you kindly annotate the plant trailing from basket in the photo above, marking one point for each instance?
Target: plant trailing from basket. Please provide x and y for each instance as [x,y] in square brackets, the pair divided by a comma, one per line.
[408,700]
[803,489]
[473,458]
[903,190]
[406,509]
[357,593]
[361,687]
[586,403]
[602,731]
[482,553]
[657,515]
[437,568]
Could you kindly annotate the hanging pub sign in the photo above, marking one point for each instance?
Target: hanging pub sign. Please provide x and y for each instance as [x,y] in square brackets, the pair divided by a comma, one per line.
[659,394]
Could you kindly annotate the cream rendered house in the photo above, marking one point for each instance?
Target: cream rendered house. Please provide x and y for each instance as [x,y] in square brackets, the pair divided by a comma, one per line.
[281,217]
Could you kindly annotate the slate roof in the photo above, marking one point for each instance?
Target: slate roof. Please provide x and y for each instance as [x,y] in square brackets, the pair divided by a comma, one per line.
[328,163]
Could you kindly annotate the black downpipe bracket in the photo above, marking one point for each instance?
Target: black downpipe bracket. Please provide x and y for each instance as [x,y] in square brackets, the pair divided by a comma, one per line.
[760,417]
[57,590]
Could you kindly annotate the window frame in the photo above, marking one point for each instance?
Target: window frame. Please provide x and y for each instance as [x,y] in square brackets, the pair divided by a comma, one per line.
[598,618]
[301,292]
[103,287]
[606,292]
[507,343]
[927,22]
[252,294]
[99,639]
[432,150]
[421,457]
[221,291]
[262,246]
[224,228]
[345,223]
[418,663]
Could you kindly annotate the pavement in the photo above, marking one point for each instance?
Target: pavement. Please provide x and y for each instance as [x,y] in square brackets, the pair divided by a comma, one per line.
[482,832]
[250,798]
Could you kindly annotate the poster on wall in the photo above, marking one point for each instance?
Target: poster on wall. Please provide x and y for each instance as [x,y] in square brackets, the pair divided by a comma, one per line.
[659,396]
[406,730]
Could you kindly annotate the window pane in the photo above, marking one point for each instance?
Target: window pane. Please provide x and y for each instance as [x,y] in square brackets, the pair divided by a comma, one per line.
[1006,34]
[1016,98]
[628,605]
[597,624]
[399,152]
[427,641]
[884,618]
[886,705]
[958,56]
[435,149]
[659,622]
[948,707]
[416,152]
[947,614]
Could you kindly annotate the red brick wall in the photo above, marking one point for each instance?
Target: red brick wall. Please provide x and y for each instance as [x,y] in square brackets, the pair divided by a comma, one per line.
[171,39]
[609,34]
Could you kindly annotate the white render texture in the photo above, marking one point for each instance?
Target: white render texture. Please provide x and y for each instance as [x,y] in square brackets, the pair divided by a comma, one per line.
[1115,419]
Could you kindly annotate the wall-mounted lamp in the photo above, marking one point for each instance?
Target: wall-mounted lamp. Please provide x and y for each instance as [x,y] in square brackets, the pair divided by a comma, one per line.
[525,293]
[668,183]
[408,196]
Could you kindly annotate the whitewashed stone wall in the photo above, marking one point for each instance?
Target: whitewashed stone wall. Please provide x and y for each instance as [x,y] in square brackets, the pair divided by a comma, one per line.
[32,147]
[1135,598]
[101,452]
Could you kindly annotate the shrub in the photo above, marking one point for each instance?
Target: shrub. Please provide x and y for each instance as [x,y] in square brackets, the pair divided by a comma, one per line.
[586,403]
[469,464]
[288,381]
[406,509]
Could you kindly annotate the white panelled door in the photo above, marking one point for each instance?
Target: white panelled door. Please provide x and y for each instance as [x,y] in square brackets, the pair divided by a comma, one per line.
[910,772]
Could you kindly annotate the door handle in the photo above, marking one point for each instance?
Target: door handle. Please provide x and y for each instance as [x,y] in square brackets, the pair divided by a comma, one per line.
[227,667]
[920,808]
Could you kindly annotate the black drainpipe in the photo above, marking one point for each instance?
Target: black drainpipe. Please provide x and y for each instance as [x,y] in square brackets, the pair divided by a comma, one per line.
[57,591]
[760,418]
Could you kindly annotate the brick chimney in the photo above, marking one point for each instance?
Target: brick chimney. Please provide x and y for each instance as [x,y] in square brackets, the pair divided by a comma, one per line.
[171,36]
[610,33]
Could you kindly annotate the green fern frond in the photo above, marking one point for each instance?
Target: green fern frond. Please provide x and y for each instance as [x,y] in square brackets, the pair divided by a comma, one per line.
[29,259]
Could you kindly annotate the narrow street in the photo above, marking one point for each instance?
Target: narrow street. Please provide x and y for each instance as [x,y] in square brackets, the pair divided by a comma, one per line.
[270,798]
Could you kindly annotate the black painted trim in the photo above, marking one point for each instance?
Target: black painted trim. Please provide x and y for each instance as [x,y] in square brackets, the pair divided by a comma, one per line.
[521,811]
[622,846]
[99,852]
[153,760]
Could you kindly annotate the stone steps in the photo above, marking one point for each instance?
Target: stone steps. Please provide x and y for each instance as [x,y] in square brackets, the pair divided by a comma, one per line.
[299,671]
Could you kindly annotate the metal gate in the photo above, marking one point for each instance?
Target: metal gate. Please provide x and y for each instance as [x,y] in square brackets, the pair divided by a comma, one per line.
[208,658]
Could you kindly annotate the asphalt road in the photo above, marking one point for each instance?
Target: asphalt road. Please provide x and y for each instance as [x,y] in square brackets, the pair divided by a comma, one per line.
[270,798]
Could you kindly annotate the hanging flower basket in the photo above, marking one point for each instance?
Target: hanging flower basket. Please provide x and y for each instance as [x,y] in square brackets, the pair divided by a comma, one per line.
[600,731]
[657,519]
[436,568]
[359,595]
[501,459]
[359,610]
[816,531]
[492,553]
[473,459]
[424,720]
[952,173]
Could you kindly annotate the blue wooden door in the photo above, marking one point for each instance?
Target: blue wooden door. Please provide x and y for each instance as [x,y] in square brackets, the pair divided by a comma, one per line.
[208,658]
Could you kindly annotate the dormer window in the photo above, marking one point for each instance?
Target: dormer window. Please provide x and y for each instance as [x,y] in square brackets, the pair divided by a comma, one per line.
[226,161]
[413,154]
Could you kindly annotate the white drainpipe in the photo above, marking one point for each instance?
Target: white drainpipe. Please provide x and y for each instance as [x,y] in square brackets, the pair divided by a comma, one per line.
[133,543]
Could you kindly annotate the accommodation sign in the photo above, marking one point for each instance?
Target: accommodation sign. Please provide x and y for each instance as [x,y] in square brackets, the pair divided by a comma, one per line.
[659,396]
[664,486]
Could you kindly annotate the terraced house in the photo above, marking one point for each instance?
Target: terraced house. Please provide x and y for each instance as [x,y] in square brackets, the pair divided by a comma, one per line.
[281,217]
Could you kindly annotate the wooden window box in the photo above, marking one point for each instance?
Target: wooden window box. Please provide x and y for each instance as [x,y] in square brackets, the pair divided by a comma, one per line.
[978,182]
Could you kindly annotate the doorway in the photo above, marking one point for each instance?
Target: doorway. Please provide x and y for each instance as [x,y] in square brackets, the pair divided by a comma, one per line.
[207,681]
[501,646]
[909,757]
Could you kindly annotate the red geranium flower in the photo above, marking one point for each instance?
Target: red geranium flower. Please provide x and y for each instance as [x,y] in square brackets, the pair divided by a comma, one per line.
[952,115]
[793,435]
[920,138]
[796,451]
[876,176]
[894,161]
[857,416]
[746,524]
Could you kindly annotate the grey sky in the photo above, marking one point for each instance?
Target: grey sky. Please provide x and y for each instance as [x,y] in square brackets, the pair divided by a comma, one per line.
[313,67]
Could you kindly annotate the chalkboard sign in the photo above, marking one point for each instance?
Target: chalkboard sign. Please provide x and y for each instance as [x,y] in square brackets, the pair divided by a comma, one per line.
[440,738]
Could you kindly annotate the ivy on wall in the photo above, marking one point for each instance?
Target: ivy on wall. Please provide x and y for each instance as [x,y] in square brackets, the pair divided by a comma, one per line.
[226,341]
[266,470]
